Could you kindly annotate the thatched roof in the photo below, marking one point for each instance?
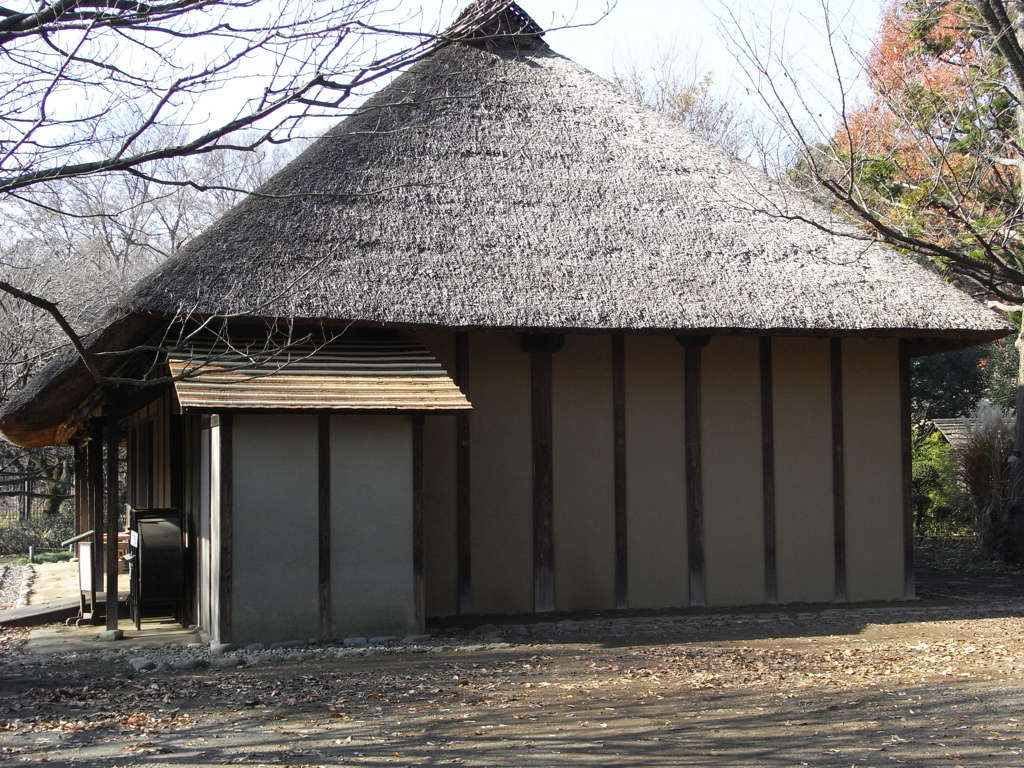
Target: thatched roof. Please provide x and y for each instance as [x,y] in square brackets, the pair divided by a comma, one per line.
[498,184]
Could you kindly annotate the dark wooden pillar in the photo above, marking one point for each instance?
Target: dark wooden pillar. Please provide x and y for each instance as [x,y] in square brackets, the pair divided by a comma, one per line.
[619,431]
[177,464]
[94,489]
[541,347]
[81,505]
[838,469]
[81,508]
[323,431]
[906,451]
[463,509]
[417,519]
[176,460]
[225,515]
[771,578]
[692,452]
[113,506]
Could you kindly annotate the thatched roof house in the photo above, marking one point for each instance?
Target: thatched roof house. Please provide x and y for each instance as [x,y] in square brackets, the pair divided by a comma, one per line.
[498,198]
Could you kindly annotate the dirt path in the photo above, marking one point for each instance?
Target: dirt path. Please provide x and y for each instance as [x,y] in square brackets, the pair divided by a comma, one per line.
[932,686]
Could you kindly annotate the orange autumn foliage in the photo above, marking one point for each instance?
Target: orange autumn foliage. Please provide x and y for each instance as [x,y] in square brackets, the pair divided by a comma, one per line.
[927,136]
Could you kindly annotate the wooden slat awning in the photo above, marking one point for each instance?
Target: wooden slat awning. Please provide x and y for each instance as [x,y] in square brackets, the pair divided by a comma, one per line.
[345,375]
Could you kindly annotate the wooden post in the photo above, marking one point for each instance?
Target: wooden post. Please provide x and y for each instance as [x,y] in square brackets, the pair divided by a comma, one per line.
[463,509]
[417,519]
[195,501]
[771,578]
[692,413]
[323,431]
[184,451]
[838,470]
[541,347]
[81,512]
[619,471]
[226,512]
[906,450]
[176,460]
[113,507]
[94,475]
[81,505]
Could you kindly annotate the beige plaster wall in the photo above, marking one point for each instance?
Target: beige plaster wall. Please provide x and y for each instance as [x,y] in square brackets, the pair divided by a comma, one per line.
[372,590]
[583,456]
[732,472]
[440,556]
[500,465]
[655,490]
[803,469]
[275,490]
[872,441]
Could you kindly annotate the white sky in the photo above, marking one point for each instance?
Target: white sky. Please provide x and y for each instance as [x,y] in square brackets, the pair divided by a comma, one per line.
[606,36]
[639,35]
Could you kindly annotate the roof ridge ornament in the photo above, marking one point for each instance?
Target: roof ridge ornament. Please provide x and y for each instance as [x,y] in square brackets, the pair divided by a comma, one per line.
[495,25]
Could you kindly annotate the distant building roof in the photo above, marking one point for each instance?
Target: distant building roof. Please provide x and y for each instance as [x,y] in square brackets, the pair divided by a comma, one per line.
[957,432]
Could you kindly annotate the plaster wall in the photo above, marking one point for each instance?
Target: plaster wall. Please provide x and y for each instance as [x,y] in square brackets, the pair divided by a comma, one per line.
[500,466]
[440,556]
[372,590]
[655,473]
[732,472]
[803,469]
[872,442]
[275,585]
[583,456]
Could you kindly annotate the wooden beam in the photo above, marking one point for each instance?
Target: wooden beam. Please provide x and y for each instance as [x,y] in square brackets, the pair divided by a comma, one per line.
[771,576]
[906,451]
[417,519]
[113,498]
[463,509]
[226,526]
[619,471]
[541,347]
[838,469]
[323,470]
[692,412]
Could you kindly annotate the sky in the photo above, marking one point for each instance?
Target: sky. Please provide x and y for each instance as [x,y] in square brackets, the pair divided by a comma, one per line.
[691,37]
[609,37]
[640,34]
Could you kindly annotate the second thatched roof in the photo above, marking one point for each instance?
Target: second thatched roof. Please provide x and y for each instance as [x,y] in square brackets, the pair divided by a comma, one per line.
[498,184]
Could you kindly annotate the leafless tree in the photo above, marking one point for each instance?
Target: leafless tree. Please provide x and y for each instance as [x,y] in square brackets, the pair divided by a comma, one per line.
[126,224]
[693,97]
[101,88]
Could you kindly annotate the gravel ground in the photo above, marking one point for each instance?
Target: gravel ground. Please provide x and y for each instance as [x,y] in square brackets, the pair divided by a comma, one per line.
[938,683]
[921,686]
[10,584]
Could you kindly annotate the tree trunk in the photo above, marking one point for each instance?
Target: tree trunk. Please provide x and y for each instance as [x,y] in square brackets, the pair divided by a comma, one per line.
[55,481]
[1013,533]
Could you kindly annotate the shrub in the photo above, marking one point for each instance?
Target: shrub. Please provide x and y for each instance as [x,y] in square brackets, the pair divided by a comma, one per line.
[941,507]
[984,468]
[42,532]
